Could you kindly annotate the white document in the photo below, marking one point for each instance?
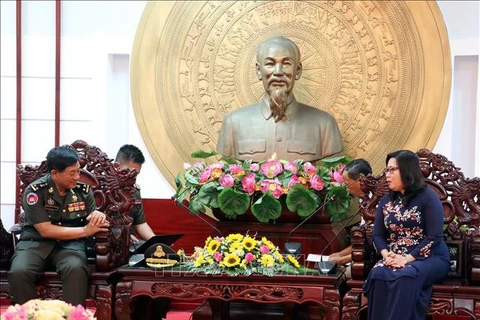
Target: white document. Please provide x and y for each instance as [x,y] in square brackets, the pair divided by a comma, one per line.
[316,257]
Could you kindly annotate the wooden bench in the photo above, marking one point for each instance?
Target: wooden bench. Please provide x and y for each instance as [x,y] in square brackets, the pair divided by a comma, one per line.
[459,294]
[113,190]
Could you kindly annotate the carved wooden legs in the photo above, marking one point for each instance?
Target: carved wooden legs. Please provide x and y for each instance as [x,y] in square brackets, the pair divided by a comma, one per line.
[104,300]
[351,304]
[122,300]
[331,300]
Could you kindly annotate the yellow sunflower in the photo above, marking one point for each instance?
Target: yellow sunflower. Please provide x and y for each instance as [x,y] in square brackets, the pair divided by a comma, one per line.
[267,260]
[279,257]
[293,261]
[231,260]
[208,240]
[249,243]
[235,246]
[213,246]
[268,243]
[235,237]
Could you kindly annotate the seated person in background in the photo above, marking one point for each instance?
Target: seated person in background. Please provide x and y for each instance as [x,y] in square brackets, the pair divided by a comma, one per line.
[59,215]
[129,156]
[408,233]
[351,173]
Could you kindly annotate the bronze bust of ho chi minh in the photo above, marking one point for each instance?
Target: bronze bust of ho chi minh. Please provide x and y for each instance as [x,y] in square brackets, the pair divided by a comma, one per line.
[279,123]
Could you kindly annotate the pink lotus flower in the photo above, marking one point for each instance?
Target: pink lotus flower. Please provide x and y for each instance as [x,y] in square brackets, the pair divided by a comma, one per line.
[317,183]
[309,168]
[186,166]
[293,181]
[227,181]
[248,183]
[273,186]
[235,168]
[254,167]
[271,168]
[199,165]
[218,256]
[79,313]
[249,257]
[205,175]
[290,166]
[264,249]
[337,176]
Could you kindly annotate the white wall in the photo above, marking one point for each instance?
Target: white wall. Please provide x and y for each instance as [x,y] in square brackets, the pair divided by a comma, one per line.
[97,38]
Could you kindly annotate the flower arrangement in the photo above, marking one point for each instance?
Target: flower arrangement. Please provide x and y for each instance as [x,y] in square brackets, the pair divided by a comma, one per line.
[37,309]
[266,188]
[238,254]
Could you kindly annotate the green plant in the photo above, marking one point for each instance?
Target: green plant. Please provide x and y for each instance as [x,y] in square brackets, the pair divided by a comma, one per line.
[267,187]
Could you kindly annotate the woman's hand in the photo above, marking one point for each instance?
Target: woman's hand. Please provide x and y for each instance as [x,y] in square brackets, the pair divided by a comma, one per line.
[396,261]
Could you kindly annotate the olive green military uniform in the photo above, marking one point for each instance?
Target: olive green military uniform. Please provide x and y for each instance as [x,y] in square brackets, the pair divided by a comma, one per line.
[137,212]
[43,203]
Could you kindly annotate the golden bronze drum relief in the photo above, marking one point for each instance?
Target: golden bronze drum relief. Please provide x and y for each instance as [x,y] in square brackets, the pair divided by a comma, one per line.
[381,68]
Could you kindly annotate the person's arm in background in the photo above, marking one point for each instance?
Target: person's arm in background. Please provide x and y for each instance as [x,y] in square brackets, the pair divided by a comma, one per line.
[342,257]
[144,231]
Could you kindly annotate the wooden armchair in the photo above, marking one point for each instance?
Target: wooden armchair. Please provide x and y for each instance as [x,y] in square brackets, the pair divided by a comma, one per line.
[459,294]
[113,191]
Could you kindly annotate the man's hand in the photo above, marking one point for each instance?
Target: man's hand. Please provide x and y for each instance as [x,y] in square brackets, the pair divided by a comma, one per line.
[97,218]
[339,259]
[91,229]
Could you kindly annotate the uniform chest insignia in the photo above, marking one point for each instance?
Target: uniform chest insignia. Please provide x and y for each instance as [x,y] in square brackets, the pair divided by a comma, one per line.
[50,202]
[50,190]
[74,198]
[81,205]
[32,198]
[138,201]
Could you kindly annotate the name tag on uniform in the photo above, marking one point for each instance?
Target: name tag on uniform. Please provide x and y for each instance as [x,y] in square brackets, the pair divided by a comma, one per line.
[138,201]
[49,207]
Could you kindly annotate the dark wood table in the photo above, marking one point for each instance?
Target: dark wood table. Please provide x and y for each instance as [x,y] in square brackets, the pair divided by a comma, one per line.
[220,290]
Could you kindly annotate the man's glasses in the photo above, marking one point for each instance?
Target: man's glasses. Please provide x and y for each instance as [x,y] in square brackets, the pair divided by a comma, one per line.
[390,170]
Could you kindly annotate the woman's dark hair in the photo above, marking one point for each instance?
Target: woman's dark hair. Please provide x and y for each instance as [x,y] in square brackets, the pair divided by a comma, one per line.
[60,158]
[410,173]
[357,167]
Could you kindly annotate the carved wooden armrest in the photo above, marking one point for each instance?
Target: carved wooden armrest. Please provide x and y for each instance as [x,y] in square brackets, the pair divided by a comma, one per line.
[358,243]
[475,258]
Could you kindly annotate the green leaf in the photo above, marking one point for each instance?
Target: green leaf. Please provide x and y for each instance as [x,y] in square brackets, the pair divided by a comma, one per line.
[203,154]
[230,160]
[233,202]
[335,161]
[301,200]
[208,195]
[339,206]
[266,208]
[178,182]
[324,173]
[191,180]
[196,205]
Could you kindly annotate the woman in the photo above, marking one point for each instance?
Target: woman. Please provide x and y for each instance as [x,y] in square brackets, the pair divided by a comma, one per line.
[408,234]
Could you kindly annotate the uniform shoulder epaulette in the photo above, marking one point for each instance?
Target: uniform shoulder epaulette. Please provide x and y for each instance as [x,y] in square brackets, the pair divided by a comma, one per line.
[137,186]
[38,186]
[83,186]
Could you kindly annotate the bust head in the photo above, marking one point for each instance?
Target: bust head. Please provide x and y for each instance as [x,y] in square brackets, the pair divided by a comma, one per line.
[278,66]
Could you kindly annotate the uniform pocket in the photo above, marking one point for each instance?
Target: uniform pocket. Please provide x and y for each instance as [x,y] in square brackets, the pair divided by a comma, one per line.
[252,146]
[301,147]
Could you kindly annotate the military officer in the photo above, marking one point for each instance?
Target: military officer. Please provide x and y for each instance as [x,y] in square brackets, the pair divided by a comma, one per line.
[129,156]
[59,217]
